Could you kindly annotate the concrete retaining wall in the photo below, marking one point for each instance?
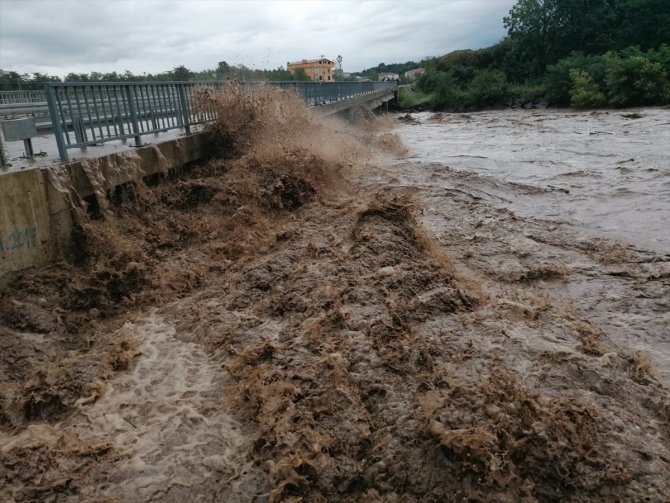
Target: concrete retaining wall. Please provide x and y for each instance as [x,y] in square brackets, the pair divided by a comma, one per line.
[25,228]
[35,205]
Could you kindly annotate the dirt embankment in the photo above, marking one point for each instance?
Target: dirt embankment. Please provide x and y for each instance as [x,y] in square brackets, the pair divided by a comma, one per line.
[334,351]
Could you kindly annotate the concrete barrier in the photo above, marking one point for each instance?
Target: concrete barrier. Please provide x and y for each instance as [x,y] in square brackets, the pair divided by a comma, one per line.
[36,205]
[25,223]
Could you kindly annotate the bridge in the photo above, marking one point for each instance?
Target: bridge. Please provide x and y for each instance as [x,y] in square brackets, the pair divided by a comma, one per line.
[81,115]
[99,121]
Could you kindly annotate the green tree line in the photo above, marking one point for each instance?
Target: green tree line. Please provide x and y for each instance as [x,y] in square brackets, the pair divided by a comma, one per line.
[11,80]
[583,53]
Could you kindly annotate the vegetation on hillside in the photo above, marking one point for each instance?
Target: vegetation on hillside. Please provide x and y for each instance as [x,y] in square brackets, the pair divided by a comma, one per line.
[584,53]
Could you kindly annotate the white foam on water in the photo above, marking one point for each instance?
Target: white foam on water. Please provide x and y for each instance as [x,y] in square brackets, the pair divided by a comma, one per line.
[165,418]
[161,415]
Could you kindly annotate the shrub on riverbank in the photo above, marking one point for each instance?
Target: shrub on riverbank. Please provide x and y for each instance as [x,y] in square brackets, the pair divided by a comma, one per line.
[475,89]
[591,54]
[630,77]
[624,78]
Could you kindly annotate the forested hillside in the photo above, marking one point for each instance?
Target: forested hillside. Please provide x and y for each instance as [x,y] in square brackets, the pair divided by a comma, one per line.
[584,53]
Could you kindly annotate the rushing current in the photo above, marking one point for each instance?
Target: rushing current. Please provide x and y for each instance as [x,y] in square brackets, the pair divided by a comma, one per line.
[606,170]
[315,319]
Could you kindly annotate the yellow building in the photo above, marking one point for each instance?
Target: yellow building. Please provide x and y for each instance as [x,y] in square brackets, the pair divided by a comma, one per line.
[315,69]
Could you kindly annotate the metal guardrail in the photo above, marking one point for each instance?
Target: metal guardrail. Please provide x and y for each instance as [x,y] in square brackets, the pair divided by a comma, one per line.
[84,114]
[89,114]
[319,93]
[9,97]
[37,109]
[4,163]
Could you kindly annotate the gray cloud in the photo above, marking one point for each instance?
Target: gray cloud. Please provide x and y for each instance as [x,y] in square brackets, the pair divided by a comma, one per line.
[62,36]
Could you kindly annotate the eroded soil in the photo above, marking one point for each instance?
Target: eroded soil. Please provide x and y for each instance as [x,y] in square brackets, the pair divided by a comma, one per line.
[288,325]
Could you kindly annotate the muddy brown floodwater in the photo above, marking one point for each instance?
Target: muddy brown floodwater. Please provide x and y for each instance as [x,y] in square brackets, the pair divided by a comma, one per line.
[318,315]
[607,170]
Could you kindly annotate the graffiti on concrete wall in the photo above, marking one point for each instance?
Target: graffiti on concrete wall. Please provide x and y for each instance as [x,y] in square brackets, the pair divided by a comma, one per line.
[19,240]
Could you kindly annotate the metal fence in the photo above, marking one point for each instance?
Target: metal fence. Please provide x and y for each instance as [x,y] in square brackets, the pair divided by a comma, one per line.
[84,114]
[319,93]
[89,114]
[23,104]
[9,97]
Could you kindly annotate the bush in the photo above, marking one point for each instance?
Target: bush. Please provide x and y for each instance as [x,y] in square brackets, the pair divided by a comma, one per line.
[559,82]
[455,91]
[585,93]
[530,92]
[634,80]
[626,78]
[447,92]
[487,88]
[661,56]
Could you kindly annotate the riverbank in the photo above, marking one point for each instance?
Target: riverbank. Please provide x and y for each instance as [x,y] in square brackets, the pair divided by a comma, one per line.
[299,323]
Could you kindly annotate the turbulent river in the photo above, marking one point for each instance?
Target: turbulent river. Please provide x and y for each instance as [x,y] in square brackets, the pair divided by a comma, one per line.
[608,170]
[435,307]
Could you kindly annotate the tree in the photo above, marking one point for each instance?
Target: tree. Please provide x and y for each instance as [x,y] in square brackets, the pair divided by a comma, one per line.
[549,30]
[223,70]
[488,88]
[77,77]
[299,75]
[446,93]
[10,80]
[533,23]
[372,74]
[41,78]
[181,73]
[645,23]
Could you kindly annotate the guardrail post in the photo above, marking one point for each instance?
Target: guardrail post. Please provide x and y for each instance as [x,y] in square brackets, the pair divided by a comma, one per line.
[79,129]
[184,107]
[56,122]
[130,95]
[4,163]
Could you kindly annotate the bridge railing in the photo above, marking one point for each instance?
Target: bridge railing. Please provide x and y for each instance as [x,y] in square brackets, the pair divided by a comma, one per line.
[84,114]
[319,93]
[23,104]
[9,97]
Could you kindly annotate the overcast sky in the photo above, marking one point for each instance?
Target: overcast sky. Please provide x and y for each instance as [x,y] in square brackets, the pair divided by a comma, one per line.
[62,36]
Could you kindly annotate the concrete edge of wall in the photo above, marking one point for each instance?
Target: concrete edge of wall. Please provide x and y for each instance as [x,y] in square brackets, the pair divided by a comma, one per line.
[36,205]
